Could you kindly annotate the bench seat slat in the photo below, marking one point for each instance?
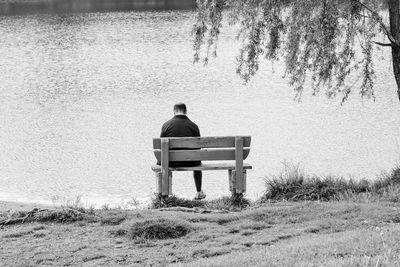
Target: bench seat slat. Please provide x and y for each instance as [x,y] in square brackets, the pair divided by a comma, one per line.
[202,142]
[203,154]
[205,167]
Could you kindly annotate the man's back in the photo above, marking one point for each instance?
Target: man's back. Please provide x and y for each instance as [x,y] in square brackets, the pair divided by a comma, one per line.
[180,126]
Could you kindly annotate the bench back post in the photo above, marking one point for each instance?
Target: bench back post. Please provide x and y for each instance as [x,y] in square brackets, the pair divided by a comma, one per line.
[239,163]
[165,166]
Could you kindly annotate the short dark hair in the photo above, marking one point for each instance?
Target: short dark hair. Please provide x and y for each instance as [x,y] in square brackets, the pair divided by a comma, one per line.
[180,107]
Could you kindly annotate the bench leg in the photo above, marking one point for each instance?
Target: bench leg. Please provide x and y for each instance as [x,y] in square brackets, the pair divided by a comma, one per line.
[158,176]
[244,180]
[234,187]
[230,180]
[170,184]
[166,185]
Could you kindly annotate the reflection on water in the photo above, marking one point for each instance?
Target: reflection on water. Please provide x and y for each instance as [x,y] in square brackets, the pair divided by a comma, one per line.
[20,7]
[81,97]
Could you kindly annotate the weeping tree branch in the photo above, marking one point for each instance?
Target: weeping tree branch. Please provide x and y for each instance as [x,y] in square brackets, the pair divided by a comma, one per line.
[317,40]
[379,20]
[383,44]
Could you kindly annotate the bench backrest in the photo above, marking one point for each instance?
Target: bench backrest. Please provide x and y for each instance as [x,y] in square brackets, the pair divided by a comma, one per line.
[202,148]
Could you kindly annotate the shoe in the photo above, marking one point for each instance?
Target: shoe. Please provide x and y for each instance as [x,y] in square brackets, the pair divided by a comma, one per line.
[200,195]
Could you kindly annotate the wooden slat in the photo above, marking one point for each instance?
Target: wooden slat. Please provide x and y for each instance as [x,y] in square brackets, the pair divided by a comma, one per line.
[239,164]
[204,167]
[202,142]
[203,154]
[165,166]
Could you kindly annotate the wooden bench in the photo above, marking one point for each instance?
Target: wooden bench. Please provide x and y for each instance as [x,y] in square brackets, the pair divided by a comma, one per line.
[228,148]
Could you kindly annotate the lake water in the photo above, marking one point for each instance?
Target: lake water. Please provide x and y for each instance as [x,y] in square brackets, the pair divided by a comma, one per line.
[82,96]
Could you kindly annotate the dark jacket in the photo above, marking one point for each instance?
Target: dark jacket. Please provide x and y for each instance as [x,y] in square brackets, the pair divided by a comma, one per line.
[180,126]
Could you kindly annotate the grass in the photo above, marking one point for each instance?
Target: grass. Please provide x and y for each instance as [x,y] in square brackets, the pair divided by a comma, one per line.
[294,185]
[234,202]
[160,228]
[302,220]
[18,234]
[303,233]
[62,215]
[158,201]
[111,217]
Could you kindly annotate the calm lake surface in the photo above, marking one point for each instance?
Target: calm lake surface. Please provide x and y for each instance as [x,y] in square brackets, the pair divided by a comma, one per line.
[82,96]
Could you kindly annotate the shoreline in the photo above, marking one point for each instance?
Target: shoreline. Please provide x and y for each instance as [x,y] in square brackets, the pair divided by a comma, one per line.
[6,206]
[25,7]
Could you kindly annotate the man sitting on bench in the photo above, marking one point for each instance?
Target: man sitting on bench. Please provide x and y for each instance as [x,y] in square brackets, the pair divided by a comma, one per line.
[181,126]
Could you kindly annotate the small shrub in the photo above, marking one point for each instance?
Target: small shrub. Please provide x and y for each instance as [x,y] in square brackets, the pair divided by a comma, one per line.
[159,229]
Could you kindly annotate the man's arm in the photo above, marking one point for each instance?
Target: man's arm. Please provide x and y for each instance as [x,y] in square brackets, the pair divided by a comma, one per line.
[164,130]
[196,131]
[163,134]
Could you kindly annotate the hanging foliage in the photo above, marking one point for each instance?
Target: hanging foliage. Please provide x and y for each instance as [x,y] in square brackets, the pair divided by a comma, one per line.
[323,41]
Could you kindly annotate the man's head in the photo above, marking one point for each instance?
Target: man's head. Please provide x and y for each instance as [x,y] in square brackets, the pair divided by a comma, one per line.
[180,109]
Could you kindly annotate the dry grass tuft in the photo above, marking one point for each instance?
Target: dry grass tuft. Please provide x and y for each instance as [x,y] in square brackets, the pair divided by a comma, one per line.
[292,184]
[173,201]
[159,228]
[64,215]
[234,202]
[112,217]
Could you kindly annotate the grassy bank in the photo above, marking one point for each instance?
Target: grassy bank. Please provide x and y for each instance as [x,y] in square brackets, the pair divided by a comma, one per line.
[278,234]
[302,220]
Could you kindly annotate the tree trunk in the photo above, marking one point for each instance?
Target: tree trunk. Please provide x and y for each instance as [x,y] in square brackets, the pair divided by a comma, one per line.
[394,16]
